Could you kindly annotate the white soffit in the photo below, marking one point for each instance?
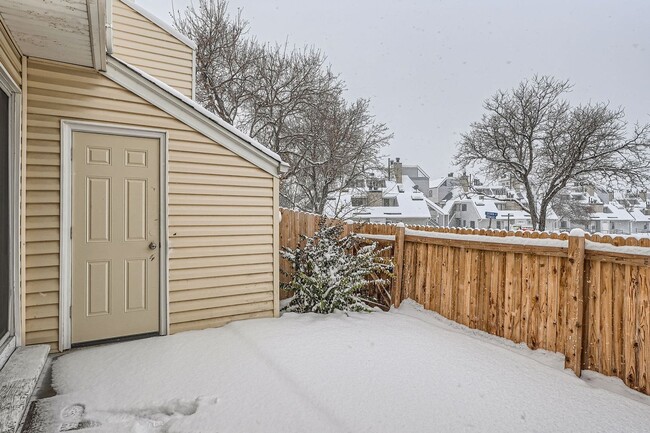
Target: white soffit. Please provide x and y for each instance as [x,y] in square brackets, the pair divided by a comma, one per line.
[51,29]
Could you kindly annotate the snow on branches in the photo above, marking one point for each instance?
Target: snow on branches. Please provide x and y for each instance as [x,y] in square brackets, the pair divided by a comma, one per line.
[333,272]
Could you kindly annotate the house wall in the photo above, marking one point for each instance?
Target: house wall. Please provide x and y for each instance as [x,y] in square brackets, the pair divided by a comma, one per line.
[471,214]
[640,227]
[143,44]
[9,56]
[221,207]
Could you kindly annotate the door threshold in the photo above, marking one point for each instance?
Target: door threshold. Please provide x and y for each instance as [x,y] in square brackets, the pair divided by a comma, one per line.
[115,340]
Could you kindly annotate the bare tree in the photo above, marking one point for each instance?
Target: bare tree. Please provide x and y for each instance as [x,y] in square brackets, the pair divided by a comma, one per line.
[569,209]
[226,58]
[288,84]
[339,143]
[544,143]
[286,98]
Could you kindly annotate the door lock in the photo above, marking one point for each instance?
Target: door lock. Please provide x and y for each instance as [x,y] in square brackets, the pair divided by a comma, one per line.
[153,246]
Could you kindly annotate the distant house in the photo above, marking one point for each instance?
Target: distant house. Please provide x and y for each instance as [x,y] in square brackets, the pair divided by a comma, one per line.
[641,223]
[128,209]
[379,200]
[611,218]
[610,212]
[472,210]
[440,189]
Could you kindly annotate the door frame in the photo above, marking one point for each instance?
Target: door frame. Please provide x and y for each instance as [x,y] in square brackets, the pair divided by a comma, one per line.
[14,336]
[68,127]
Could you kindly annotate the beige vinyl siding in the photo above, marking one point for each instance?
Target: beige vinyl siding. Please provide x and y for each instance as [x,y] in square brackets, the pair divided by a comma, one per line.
[10,57]
[221,217]
[143,44]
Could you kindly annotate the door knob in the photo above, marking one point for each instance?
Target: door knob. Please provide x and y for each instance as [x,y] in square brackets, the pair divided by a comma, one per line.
[153,246]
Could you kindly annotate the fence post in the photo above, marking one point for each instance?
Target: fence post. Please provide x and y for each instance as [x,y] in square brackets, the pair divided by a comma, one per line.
[398,258]
[575,301]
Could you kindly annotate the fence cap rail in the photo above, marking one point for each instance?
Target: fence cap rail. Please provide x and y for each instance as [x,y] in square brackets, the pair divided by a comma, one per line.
[623,249]
[376,237]
[510,240]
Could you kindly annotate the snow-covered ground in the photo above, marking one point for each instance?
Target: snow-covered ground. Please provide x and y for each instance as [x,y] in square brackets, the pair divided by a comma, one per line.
[404,371]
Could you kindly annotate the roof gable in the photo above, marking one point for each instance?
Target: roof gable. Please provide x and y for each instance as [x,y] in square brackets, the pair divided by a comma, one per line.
[160,23]
[194,115]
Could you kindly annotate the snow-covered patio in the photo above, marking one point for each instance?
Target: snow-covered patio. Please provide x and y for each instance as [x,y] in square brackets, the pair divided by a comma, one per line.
[404,371]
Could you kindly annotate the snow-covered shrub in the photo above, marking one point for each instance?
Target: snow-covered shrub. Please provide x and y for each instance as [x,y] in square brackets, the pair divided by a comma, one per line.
[335,273]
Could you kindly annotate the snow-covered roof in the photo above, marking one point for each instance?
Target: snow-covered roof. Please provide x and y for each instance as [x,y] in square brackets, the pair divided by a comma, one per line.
[639,216]
[612,212]
[435,207]
[411,204]
[193,114]
[435,183]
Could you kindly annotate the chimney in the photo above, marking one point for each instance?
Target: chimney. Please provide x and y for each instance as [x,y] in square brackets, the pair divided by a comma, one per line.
[464,181]
[398,170]
[591,190]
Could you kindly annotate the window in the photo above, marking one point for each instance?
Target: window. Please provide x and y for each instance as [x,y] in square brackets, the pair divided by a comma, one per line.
[463,207]
[472,224]
[563,224]
[464,223]
[498,224]
[358,201]
[388,202]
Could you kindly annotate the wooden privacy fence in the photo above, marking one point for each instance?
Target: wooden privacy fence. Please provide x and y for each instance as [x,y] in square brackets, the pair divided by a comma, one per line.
[586,296]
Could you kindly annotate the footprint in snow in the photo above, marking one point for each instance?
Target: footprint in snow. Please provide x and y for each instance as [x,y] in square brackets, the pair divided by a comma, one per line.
[72,418]
[154,419]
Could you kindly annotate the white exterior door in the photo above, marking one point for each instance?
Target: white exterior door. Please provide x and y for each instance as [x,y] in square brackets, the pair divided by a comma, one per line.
[115,236]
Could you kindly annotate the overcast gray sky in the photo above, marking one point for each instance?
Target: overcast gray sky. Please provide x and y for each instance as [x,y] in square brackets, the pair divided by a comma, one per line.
[428,65]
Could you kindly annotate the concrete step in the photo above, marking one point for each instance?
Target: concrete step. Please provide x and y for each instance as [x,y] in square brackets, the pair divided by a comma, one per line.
[18,379]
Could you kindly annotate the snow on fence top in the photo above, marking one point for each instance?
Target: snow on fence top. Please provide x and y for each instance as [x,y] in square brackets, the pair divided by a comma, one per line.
[623,249]
[510,240]
[376,237]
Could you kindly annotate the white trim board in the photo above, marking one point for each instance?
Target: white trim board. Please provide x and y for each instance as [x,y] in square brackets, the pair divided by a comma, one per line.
[65,270]
[97,29]
[9,87]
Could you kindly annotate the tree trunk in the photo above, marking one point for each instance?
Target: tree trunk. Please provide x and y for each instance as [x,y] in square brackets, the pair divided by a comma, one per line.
[541,225]
[532,205]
